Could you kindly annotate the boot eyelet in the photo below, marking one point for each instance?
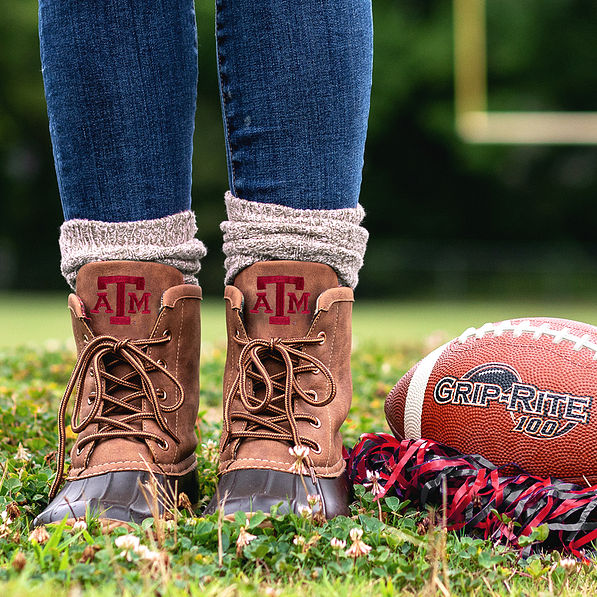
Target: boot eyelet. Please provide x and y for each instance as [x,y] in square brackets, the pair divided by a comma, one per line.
[316,450]
[161,394]
[85,338]
[314,394]
[168,334]
[317,424]
[163,444]
[316,371]
[322,336]
[162,363]
[91,398]
[79,450]
[91,372]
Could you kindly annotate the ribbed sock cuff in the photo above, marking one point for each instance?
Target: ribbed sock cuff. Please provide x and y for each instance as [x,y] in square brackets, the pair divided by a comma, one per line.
[170,240]
[264,231]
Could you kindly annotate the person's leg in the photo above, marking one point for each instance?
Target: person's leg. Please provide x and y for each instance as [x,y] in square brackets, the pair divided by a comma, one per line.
[295,79]
[120,81]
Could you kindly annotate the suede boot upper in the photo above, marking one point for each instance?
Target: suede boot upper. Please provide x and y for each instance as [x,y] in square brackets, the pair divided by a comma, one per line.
[135,387]
[287,379]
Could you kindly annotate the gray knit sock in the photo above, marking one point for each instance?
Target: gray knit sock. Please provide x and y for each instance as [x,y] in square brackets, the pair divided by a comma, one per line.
[170,240]
[263,232]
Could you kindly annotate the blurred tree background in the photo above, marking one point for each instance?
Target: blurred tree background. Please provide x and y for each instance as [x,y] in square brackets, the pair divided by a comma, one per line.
[446,218]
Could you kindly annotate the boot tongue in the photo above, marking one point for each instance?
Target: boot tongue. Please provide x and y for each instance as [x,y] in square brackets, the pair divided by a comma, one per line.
[280,297]
[122,298]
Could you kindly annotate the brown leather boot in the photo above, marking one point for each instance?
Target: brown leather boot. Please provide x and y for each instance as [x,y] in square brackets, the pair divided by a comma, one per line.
[136,392]
[287,383]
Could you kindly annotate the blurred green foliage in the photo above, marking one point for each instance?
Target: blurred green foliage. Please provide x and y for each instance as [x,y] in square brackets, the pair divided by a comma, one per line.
[446,218]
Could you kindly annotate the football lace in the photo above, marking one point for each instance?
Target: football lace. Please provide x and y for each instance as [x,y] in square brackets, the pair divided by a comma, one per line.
[584,341]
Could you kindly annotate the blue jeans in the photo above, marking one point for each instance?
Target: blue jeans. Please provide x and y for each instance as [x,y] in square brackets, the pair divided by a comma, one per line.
[120,80]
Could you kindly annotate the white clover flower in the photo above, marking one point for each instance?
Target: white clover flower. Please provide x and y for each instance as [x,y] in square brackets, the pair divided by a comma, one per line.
[305,511]
[337,543]
[210,450]
[358,547]
[80,525]
[299,468]
[244,538]
[373,483]
[147,554]
[141,550]
[127,543]
[299,452]
[39,535]
[314,500]
[155,558]
[6,519]
[298,540]
[22,453]
[568,564]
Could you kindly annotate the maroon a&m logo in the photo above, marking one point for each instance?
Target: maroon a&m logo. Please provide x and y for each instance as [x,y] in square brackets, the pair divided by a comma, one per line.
[295,304]
[136,304]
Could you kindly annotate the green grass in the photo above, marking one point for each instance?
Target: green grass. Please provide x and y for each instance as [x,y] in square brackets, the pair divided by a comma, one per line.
[37,318]
[409,556]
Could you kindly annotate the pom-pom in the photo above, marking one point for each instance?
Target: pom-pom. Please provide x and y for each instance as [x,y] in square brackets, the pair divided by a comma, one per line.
[478,496]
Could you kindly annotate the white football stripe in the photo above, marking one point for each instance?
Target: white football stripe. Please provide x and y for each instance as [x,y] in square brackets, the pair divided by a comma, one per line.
[413,405]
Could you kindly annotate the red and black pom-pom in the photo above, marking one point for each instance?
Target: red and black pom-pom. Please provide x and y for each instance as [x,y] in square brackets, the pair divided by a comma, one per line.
[418,470]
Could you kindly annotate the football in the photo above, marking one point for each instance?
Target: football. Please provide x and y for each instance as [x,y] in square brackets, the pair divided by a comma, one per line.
[521,393]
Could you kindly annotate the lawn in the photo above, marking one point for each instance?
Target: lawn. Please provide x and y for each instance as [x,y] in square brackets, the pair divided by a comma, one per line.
[35,319]
[194,555]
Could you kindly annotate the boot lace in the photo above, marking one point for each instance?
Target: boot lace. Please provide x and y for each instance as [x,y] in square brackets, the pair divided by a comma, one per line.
[98,358]
[273,415]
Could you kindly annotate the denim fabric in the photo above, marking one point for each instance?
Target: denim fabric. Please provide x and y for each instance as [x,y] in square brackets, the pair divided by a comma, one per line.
[295,79]
[120,80]
[121,84]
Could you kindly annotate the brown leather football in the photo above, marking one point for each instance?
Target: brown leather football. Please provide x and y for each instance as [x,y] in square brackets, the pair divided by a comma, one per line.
[518,392]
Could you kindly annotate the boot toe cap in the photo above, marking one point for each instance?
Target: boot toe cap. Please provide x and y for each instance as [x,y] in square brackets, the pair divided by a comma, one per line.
[115,496]
[251,490]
